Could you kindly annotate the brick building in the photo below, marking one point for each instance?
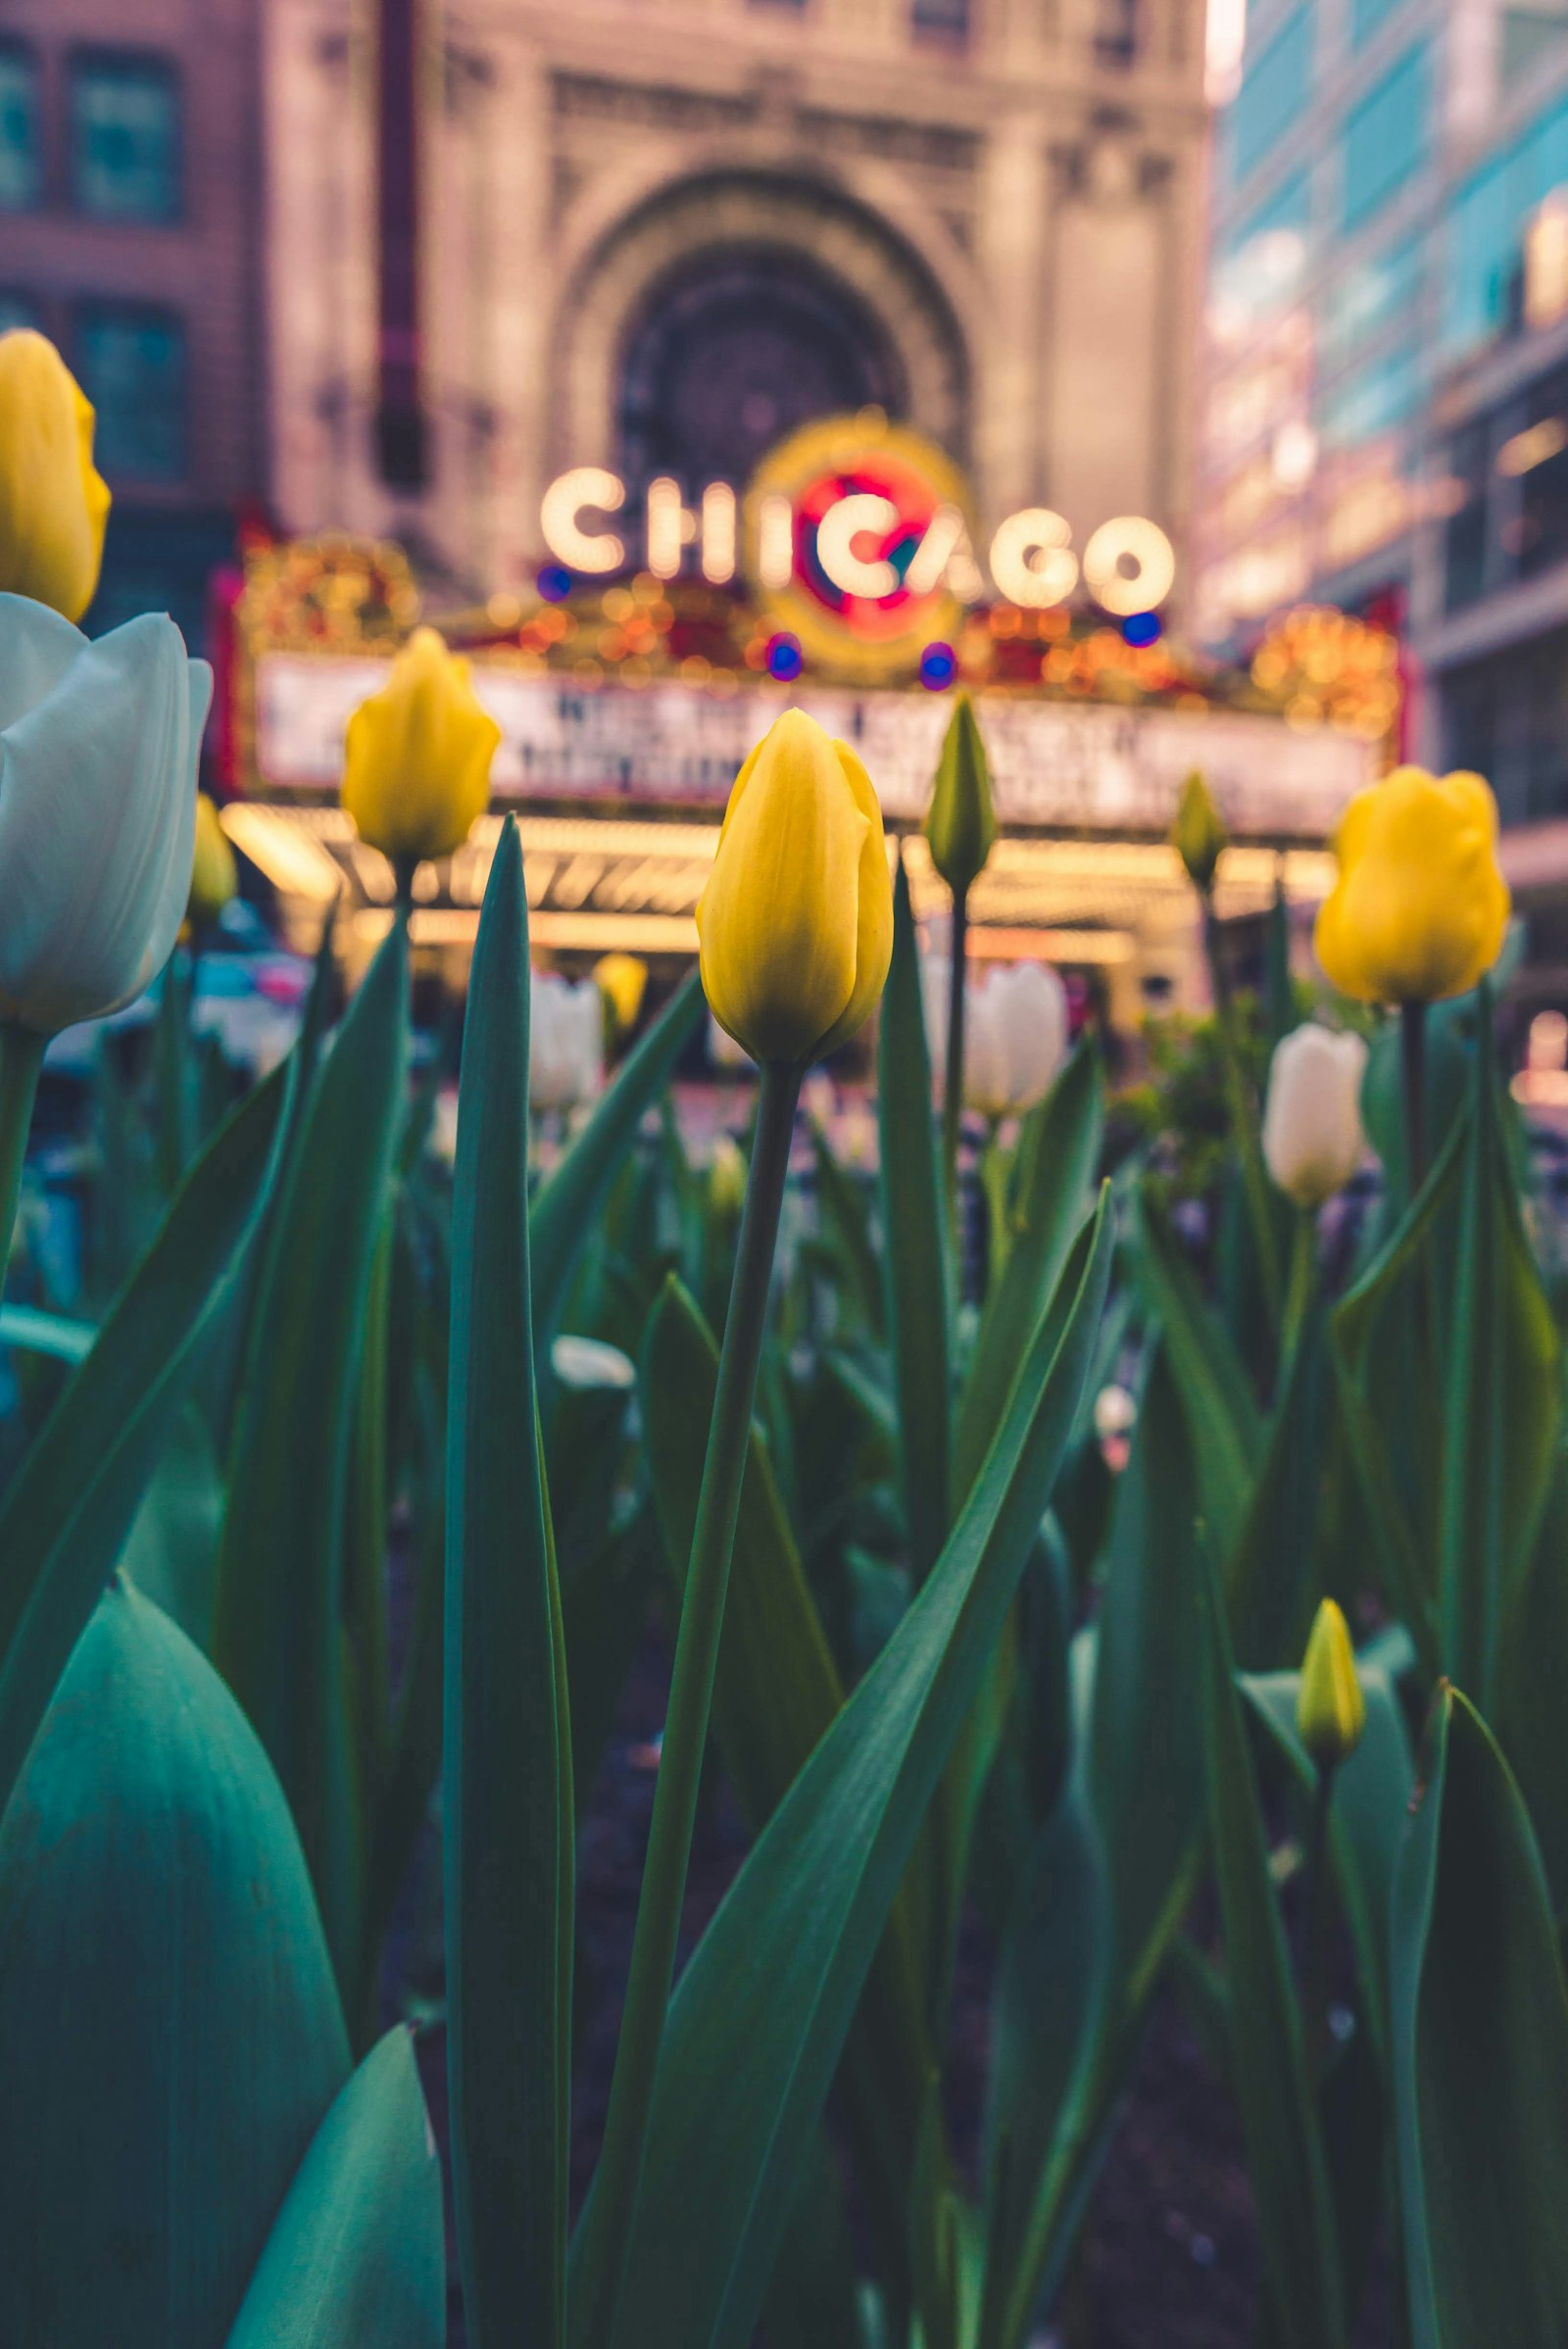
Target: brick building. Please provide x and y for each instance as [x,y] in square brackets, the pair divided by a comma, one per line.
[130,230]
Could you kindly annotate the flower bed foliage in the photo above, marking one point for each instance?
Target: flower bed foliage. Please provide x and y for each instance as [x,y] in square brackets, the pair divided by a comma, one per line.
[960,1637]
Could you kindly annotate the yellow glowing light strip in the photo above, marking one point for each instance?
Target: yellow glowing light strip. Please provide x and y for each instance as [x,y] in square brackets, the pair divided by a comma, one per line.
[998,943]
[633,933]
[283,850]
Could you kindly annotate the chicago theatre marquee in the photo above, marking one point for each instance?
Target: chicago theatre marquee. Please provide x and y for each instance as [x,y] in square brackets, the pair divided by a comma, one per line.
[679,356]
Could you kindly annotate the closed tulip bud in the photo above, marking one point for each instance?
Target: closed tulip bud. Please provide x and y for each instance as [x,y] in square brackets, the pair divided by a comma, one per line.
[98,749]
[622,981]
[1330,1709]
[961,823]
[1198,835]
[1015,1024]
[416,765]
[796,920]
[1419,910]
[54,504]
[726,1177]
[1312,1138]
[565,1042]
[214,879]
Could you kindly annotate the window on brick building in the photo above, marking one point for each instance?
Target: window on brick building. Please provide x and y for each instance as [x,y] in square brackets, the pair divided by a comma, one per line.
[124,118]
[133,366]
[20,129]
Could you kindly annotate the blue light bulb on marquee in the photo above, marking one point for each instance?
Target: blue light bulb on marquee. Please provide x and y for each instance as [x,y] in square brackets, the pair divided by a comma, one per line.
[554,582]
[785,660]
[939,665]
[1140,629]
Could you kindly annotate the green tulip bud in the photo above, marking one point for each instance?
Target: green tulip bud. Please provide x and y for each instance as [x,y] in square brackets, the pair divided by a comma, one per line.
[961,821]
[1198,835]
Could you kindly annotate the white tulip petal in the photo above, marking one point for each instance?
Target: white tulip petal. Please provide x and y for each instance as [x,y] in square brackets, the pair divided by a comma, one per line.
[97,825]
[1312,1138]
[36,647]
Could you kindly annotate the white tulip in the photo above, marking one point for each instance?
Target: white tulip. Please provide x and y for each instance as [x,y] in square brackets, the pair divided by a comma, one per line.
[1312,1137]
[98,752]
[567,1042]
[1015,1033]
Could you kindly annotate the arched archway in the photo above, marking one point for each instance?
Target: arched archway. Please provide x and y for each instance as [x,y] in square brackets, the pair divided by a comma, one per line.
[735,347]
[788,290]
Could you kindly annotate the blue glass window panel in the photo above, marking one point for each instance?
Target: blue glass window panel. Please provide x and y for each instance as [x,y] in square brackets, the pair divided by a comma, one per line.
[1386,137]
[20,129]
[1275,87]
[124,139]
[1486,226]
[1373,399]
[1264,261]
[1365,17]
[133,367]
[1367,296]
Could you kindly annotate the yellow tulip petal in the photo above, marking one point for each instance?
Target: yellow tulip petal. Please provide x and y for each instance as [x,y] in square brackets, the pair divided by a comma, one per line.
[53,502]
[1419,910]
[790,922]
[418,754]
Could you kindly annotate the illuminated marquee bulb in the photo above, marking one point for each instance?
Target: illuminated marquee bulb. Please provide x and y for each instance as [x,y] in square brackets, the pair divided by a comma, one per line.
[718,533]
[566,499]
[775,541]
[1130,566]
[1032,561]
[842,524]
[945,555]
[671,528]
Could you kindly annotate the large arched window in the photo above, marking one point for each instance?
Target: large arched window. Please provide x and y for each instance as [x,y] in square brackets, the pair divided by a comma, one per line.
[732,350]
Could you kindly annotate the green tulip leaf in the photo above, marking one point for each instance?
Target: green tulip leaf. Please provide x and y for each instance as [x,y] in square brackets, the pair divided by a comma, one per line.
[358,2255]
[170,2034]
[1501,1399]
[1268,2056]
[33,1332]
[1390,1404]
[508,1752]
[567,1208]
[760,2015]
[1226,1427]
[1058,1164]
[1480,2054]
[776,1695]
[917,1271]
[279,1597]
[68,1510]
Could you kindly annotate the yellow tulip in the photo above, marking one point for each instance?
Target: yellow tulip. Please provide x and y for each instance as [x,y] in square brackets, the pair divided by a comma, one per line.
[212,877]
[796,920]
[1198,835]
[1330,1709]
[1419,910]
[416,768]
[54,504]
[622,981]
[960,824]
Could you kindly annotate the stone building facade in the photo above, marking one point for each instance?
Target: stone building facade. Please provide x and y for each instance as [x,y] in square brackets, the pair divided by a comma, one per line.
[505,239]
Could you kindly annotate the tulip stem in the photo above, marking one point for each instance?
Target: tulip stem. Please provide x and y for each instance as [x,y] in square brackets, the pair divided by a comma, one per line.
[1244,1119]
[619,2176]
[1315,1972]
[21,1060]
[1413,1072]
[1303,1279]
[953,1081]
